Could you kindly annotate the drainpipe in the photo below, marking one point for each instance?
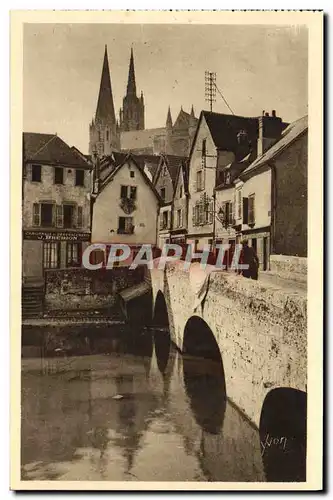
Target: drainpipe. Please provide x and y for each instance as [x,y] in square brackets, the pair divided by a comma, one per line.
[273,206]
[214,214]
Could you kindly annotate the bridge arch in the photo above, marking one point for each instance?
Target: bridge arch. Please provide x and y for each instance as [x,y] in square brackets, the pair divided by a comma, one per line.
[282,431]
[204,377]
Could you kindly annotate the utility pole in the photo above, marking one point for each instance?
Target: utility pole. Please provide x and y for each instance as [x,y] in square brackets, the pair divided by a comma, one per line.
[210,88]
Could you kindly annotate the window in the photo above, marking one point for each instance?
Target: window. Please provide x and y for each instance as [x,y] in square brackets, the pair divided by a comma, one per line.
[123,192]
[51,255]
[181,192]
[59,216]
[68,216]
[73,254]
[162,193]
[204,152]
[132,173]
[165,220]
[46,214]
[179,218]
[79,177]
[58,175]
[36,214]
[128,192]
[36,173]
[125,225]
[251,212]
[239,204]
[229,216]
[133,192]
[245,210]
[79,216]
[199,180]
[107,135]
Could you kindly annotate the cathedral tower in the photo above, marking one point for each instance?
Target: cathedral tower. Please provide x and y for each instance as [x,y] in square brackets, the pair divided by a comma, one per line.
[132,115]
[104,134]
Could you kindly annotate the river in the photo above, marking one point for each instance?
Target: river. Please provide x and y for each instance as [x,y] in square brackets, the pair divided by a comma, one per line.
[133,410]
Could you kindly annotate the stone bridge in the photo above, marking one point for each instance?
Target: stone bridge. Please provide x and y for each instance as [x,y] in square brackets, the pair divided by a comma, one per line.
[259,328]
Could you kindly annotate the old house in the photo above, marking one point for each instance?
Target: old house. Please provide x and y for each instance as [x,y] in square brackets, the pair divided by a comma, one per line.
[164,182]
[56,205]
[125,207]
[180,205]
[272,196]
[220,141]
[226,204]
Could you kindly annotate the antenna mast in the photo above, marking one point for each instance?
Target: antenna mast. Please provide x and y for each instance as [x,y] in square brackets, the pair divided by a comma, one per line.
[210,88]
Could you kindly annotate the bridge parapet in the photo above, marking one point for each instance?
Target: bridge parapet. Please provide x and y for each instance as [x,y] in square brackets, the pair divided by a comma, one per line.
[260,328]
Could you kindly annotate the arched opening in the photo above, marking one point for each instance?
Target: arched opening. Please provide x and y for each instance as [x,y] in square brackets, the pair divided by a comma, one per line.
[283,434]
[204,375]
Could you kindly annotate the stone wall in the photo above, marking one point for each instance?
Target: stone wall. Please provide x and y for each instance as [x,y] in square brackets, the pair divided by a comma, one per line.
[289,267]
[69,289]
[261,330]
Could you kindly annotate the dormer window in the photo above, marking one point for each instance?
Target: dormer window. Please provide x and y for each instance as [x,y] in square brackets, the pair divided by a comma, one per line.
[227,178]
[242,137]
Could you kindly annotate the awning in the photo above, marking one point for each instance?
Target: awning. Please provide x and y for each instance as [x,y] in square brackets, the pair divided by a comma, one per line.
[135,291]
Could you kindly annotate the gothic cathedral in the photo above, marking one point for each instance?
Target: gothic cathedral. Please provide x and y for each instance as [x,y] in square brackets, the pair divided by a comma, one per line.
[104,130]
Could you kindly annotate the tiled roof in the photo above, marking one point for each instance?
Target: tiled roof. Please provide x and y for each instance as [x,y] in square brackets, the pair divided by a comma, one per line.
[150,161]
[51,149]
[173,163]
[291,133]
[224,129]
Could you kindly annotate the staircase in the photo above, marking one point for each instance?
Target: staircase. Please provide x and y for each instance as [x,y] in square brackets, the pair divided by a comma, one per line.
[32,299]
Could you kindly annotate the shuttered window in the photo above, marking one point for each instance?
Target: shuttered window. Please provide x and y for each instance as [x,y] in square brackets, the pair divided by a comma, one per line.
[251,209]
[36,214]
[245,210]
[59,216]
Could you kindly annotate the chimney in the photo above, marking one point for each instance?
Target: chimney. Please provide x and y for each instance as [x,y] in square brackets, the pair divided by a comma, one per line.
[260,142]
[266,114]
[274,113]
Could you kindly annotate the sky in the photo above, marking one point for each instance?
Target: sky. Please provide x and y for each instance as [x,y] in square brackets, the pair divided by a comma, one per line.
[258,68]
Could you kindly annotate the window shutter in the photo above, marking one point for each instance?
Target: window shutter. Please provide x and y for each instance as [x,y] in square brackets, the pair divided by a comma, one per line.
[161,221]
[59,216]
[227,213]
[194,222]
[232,213]
[36,215]
[123,191]
[245,210]
[79,216]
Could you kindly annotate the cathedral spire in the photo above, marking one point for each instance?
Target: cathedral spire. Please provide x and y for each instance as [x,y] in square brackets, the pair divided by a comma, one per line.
[131,85]
[169,119]
[192,112]
[105,108]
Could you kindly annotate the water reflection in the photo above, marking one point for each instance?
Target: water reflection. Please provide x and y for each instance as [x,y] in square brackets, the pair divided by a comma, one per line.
[140,411]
